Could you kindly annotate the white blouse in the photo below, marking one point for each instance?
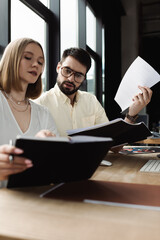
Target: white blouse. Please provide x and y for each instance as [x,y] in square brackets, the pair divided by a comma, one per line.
[9,128]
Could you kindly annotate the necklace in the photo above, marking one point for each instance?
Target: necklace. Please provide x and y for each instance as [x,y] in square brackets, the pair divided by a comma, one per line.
[18,102]
[24,110]
[15,104]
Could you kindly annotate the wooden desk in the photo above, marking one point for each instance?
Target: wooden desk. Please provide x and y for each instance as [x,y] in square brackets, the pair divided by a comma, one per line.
[23,215]
[152,141]
[126,168]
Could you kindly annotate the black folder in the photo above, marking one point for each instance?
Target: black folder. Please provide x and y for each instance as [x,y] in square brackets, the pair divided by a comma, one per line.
[59,159]
[119,130]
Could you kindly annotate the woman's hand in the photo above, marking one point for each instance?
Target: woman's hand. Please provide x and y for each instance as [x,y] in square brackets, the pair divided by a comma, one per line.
[18,165]
[45,133]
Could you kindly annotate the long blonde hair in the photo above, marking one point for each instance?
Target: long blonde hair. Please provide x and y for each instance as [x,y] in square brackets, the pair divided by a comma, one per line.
[9,68]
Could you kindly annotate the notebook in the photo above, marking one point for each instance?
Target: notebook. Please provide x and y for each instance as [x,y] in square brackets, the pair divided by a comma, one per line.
[59,159]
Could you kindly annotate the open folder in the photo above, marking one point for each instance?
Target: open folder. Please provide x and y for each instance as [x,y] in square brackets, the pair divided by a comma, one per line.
[59,159]
[119,130]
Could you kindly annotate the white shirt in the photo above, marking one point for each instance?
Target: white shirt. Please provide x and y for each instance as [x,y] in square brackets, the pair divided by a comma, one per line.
[86,111]
[9,128]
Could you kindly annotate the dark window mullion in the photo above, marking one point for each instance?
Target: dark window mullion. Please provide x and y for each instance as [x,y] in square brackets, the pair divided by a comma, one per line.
[39,8]
[99,58]
[94,55]
[53,37]
[4,24]
[82,24]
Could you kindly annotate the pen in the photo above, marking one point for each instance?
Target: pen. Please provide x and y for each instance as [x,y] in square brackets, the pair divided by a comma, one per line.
[11,156]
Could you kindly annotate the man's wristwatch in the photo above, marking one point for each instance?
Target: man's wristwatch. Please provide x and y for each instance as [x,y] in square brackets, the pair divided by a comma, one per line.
[132,118]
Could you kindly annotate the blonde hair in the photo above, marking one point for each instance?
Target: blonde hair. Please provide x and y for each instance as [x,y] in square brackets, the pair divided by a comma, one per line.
[9,68]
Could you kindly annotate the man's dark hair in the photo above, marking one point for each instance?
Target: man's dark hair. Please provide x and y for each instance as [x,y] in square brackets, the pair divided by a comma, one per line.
[79,54]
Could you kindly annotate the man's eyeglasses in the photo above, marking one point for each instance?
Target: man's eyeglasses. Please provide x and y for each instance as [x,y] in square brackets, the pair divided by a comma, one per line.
[67,72]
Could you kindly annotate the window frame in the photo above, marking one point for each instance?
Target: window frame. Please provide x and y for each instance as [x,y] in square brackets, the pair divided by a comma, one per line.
[51,16]
[96,55]
[5,24]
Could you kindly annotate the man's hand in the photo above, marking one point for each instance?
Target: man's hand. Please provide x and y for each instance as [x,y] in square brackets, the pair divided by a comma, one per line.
[140,101]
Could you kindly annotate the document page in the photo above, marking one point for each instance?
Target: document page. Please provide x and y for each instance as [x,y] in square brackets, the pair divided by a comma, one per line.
[139,73]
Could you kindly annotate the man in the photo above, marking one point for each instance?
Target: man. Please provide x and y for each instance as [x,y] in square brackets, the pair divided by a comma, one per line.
[72,108]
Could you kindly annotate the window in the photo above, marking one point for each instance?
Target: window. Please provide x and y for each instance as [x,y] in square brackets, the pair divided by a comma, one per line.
[68,24]
[29,24]
[94,46]
[45,2]
[90,29]
[91,47]
[91,78]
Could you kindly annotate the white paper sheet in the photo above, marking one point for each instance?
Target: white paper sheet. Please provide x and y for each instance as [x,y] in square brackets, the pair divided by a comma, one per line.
[139,73]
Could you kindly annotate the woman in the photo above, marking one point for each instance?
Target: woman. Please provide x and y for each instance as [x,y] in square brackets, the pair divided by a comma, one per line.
[21,68]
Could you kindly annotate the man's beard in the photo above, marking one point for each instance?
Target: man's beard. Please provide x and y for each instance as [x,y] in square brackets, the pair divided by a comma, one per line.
[66,90]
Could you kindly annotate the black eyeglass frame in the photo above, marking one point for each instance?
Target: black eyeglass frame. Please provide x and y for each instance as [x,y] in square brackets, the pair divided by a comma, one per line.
[73,72]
